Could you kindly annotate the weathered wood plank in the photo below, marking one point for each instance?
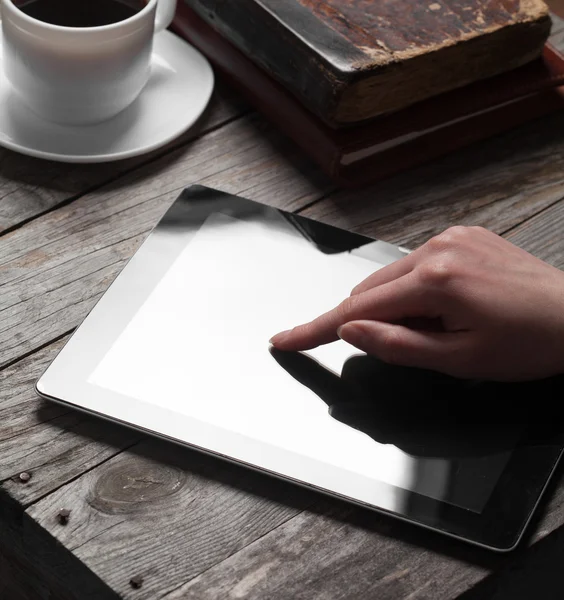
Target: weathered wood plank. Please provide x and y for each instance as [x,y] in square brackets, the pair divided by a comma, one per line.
[345,556]
[543,235]
[341,556]
[51,443]
[329,551]
[53,269]
[496,184]
[166,514]
[348,553]
[29,186]
[18,402]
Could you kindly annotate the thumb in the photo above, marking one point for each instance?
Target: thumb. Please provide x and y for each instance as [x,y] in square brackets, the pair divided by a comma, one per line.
[399,345]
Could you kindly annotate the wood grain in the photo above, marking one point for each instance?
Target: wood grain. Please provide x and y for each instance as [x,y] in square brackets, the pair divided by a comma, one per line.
[348,555]
[542,235]
[165,513]
[332,556]
[30,187]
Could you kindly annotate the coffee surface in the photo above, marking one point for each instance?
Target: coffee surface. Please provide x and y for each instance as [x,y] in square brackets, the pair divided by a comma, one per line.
[81,13]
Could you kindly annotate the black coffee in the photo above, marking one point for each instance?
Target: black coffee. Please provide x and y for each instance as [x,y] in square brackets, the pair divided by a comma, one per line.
[81,13]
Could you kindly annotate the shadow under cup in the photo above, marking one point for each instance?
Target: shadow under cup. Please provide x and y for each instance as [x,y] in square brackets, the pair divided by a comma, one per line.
[76,75]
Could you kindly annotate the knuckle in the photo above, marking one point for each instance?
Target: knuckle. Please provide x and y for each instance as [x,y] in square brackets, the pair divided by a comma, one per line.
[459,232]
[348,307]
[450,238]
[439,243]
[440,271]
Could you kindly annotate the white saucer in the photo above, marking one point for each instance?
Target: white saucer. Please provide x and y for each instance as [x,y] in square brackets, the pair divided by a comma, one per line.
[177,93]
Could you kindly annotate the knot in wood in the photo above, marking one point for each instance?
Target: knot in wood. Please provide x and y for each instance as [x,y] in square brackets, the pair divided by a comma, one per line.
[135,482]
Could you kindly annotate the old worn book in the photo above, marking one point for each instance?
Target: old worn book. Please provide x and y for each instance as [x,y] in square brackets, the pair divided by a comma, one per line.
[351,60]
[386,145]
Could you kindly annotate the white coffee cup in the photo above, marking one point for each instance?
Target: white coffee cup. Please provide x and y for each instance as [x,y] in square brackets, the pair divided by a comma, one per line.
[80,75]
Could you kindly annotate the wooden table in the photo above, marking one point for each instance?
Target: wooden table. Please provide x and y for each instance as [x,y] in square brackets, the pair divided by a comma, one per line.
[191,526]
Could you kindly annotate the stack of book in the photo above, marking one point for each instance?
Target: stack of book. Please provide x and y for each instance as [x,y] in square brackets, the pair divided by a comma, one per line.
[370,88]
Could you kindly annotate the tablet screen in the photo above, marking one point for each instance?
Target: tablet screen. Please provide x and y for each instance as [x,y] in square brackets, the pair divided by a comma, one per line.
[198,346]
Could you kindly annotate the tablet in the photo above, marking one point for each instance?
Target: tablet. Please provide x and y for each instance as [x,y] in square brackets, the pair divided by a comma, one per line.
[178,347]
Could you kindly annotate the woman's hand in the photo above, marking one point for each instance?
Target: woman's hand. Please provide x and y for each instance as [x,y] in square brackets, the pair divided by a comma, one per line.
[467,303]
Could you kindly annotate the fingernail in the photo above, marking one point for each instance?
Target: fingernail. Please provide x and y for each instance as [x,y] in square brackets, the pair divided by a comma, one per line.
[279,337]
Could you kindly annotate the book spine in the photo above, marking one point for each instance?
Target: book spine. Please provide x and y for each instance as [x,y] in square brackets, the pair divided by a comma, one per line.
[265,94]
[270,44]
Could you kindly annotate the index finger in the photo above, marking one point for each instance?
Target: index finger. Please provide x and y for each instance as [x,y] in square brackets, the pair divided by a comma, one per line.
[391,302]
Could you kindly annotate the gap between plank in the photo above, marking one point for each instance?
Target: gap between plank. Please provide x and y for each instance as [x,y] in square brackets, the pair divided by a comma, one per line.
[79,475]
[167,594]
[534,216]
[313,202]
[168,150]
[15,361]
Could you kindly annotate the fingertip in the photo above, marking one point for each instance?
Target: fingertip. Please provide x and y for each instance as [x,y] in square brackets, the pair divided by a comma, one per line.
[278,340]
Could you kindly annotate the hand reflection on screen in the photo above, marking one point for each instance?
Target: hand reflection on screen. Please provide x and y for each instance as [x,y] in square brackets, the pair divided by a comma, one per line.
[423,413]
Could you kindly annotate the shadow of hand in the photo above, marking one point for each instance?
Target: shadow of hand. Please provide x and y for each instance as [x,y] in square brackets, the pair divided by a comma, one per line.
[423,413]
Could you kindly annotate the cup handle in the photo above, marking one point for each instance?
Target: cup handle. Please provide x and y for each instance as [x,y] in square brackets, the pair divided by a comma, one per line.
[165,14]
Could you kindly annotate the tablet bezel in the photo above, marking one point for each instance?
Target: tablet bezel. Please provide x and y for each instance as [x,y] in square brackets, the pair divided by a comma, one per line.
[501,524]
